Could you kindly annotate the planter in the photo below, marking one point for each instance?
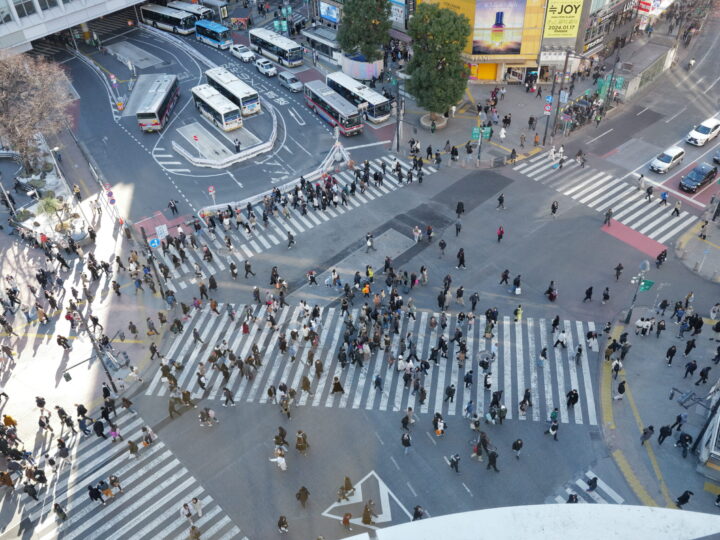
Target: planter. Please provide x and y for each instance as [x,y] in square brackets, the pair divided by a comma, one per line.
[440,122]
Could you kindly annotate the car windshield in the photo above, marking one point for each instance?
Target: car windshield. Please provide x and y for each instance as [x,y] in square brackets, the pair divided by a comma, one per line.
[665,158]
[703,130]
[696,175]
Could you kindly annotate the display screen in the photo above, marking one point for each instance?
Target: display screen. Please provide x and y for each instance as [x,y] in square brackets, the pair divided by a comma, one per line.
[329,12]
[498,26]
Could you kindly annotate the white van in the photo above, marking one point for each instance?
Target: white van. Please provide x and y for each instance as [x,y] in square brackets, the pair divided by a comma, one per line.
[667,160]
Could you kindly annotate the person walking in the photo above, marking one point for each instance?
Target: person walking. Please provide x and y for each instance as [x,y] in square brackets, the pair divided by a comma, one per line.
[406,441]
[500,233]
[517,447]
[647,434]
[665,432]
[704,374]
[492,460]
[302,495]
[670,354]
[684,498]
[553,429]
[620,391]
[454,462]
[228,395]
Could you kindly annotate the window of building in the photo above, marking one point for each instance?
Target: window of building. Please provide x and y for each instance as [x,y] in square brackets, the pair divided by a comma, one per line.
[24,7]
[47,4]
[5,15]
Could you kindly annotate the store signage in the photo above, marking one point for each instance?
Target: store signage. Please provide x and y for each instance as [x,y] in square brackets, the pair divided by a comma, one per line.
[563,18]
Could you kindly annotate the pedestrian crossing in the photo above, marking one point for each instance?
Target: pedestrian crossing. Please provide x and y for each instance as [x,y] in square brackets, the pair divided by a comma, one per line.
[516,365]
[601,191]
[602,494]
[155,487]
[245,246]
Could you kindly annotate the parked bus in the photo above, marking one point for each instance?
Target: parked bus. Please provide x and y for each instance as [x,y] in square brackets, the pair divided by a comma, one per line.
[333,108]
[216,108]
[161,97]
[174,20]
[241,94]
[213,33]
[374,106]
[200,12]
[276,47]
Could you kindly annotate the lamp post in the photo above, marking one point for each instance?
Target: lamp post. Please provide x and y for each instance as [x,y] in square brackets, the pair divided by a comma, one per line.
[644,267]
[547,116]
[562,82]
[610,85]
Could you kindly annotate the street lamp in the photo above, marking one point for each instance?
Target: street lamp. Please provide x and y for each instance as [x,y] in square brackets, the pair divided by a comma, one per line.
[610,85]
[639,278]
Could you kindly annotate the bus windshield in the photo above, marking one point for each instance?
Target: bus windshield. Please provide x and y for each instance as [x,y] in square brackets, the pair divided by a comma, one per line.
[295,54]
[350,121]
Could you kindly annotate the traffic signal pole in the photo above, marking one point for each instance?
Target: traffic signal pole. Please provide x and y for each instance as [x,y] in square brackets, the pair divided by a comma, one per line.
[547,116]
[562,82]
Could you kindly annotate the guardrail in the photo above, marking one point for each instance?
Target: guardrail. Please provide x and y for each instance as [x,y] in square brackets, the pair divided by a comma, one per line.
[332,161]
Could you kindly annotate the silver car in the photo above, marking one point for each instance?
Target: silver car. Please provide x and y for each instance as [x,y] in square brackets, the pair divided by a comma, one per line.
[290,81]
[667,160]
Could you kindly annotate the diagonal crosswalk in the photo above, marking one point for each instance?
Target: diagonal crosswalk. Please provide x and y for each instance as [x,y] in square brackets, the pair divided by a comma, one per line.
[155,486]
[602,494]
[515,369]
[599,190]
[245,246]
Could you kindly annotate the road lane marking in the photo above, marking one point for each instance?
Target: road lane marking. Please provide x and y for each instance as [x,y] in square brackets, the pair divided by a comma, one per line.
[601,135]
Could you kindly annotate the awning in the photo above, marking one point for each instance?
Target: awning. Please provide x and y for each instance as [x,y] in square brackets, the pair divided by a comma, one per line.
[397,34]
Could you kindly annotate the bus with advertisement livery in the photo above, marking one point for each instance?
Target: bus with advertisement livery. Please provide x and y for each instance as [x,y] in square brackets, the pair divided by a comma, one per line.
[282,50]
[333,108]
[374,106]
[241,94]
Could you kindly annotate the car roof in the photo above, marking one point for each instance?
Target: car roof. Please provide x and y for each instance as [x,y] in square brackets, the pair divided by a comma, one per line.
[286,74]
[262,61]
[711,122]
[673,151]
[703,167]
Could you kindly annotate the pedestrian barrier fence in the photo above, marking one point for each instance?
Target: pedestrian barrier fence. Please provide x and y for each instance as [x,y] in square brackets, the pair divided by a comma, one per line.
[333,161]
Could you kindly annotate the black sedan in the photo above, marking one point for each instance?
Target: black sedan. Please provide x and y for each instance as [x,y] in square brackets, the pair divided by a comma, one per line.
[702,174]
[716,157]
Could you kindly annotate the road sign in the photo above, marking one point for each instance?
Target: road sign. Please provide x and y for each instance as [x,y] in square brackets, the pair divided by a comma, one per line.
[211,189]
[154,242]
[486,132]
[566,117]
[563,96]
[107,187]
[112,201]
[161,231]
[548,99]
[109,194]
[646,284]
[195,138]
[475,133]
[547,109]
[619,82]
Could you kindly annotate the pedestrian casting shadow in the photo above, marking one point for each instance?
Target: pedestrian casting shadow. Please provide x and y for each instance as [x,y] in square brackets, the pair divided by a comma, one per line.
[61,369]
[10,505]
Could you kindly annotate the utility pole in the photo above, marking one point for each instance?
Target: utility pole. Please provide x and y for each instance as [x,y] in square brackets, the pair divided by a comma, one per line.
[152,259]
[562,82]
[644,267]
[397,112]
[547,116]
[610,85]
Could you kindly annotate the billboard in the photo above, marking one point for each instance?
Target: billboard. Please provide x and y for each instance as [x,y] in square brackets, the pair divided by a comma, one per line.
[329,12]
[563,18]
[498,26]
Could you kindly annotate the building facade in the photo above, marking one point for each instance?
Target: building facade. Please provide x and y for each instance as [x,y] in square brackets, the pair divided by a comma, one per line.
[24,21]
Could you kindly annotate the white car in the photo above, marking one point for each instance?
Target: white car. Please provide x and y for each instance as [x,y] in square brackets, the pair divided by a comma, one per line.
[703,133]
[243,53]
[265,67]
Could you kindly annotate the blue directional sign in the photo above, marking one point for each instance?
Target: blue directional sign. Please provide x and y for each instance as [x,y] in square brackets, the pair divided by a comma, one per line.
[548,99]
[154,242]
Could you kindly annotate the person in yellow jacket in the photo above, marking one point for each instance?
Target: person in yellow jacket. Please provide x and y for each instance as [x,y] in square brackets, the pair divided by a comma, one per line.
[518,313]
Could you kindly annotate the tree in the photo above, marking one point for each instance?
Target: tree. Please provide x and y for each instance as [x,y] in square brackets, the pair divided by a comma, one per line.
[438,75]
[50,206]
[365,27]
[33,100]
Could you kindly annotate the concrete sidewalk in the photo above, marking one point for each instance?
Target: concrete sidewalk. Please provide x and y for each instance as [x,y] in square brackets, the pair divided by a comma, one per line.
[657,473]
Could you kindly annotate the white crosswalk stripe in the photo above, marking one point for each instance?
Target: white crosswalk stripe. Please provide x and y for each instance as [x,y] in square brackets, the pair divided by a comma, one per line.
[244,246]
[602,494]
[155,487]
[599,190]
[516,368]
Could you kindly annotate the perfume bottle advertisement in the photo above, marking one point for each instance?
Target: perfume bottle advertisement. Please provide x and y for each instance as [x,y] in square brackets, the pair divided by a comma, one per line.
[498,26]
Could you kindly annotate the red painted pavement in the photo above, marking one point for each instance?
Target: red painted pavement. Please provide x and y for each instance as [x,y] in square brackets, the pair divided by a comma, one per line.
[633,238]
[149,223]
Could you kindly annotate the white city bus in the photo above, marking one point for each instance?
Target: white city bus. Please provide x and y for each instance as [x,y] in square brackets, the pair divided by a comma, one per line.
[200,12]
[219,110]
[372,104]
[333,108]
[174,20]
[159,100]
[241,94]
[276,47]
